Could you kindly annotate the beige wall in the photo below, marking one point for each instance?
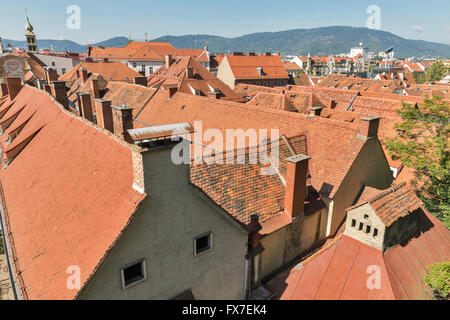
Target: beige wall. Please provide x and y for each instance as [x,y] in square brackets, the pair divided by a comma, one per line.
[162,232]
[371,169]
[225,74]
[284,245]
[359,215]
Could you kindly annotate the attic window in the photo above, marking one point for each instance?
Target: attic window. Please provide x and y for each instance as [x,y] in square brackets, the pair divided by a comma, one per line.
[133,273]
[368,229]
[375,232]
[202,243]
[361,226]
[353,223]
[366,216]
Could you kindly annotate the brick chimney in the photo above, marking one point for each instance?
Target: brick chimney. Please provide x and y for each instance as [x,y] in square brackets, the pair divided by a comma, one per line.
[253,227]
[94,89]
[316,110]
[85,106]
[140,80]
[295,191]
[50,75]
[46,87]
[252,54]
[368,127]
[123,121]
[170,90]
[59,92]
[88,59]
[4,89]
[168,60]
[14,86]
[103,112]
[332,104]
[268,54]
[83,74]
[189,73]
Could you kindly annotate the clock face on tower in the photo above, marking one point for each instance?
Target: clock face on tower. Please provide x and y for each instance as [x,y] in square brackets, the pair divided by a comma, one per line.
[12,66]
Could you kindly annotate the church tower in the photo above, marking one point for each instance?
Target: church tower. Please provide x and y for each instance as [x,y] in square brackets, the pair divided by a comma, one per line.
[31,38]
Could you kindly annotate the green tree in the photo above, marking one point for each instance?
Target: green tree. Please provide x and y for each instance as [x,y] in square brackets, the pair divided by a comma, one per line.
[419,77]
[436,72]
[422,144]
[438,278]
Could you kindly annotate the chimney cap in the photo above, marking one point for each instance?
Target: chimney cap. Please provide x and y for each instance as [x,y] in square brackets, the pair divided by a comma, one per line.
[83,93]
[298,158]
[102,100]
[370,118]
[314,108]
[122,107]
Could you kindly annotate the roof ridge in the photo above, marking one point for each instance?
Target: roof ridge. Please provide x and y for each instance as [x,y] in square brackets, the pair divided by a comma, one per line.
[297,115]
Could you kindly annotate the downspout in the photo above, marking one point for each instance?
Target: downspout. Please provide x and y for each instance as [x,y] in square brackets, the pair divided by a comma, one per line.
[6,246]
[245,293]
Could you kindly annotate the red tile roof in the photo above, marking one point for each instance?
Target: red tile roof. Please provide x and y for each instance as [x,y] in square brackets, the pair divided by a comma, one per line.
[245,67]
[111,71]
[242,189]
[146,51]
[202,81]
[70,218]
[333,147]
[391,204]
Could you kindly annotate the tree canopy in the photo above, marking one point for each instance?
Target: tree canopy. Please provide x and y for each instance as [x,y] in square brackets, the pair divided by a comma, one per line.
[422,144]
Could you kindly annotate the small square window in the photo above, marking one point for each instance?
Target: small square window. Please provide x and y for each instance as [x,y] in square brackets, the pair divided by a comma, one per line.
[366,216]
[133,274]
[202,243]
[353,223]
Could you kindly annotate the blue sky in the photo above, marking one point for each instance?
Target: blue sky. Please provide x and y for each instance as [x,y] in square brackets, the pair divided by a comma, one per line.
[101,19]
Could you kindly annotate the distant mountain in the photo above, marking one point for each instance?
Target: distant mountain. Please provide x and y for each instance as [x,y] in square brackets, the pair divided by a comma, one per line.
[318,41]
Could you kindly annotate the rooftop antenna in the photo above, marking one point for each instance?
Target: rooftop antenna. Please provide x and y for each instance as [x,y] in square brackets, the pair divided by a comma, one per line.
[145,36]
[129,36]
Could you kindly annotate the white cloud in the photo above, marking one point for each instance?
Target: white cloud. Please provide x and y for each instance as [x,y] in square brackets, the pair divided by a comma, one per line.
[447,28]
[418,28]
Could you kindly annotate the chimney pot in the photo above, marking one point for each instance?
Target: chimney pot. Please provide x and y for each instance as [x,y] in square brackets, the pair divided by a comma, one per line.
[123,121]
[368,127]
[103,112]
[296,174]
[14,86]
